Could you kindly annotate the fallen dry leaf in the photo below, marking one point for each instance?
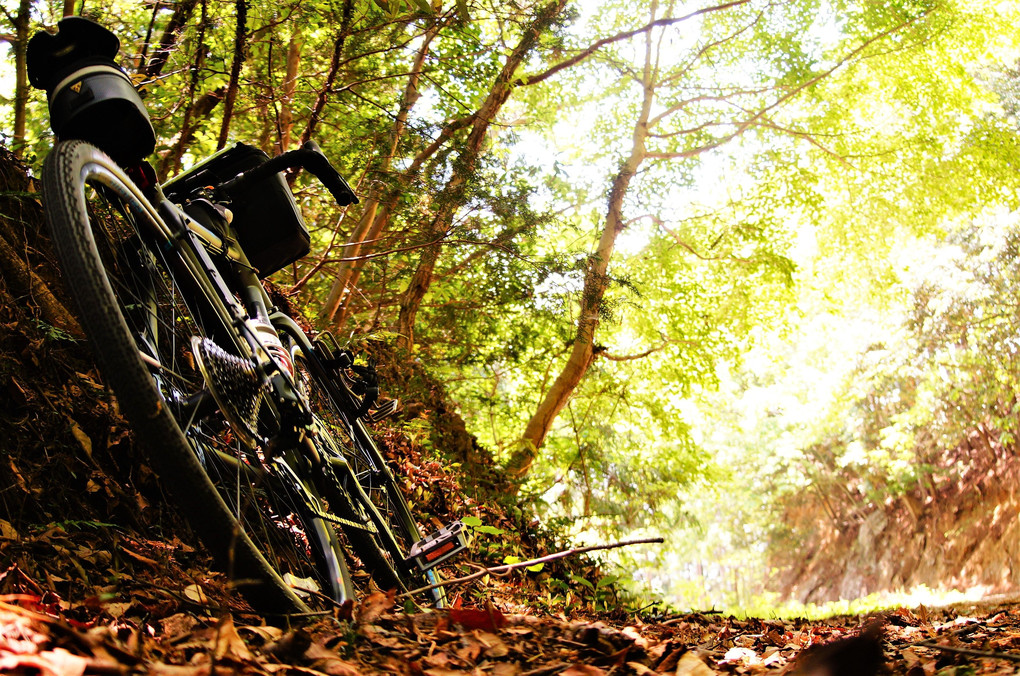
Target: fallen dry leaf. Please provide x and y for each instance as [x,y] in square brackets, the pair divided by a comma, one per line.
[373,606]
[195,593]
[329,662]
[582,670]
[489,619]
[228,644]
[56,662]
[692,665]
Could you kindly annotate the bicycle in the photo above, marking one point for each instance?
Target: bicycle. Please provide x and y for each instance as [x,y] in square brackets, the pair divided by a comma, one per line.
[257,430]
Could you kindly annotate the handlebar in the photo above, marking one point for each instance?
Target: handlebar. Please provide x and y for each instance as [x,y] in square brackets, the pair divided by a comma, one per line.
[308,157]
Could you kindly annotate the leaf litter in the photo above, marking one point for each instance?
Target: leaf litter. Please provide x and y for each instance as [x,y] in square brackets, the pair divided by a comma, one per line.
[141,627]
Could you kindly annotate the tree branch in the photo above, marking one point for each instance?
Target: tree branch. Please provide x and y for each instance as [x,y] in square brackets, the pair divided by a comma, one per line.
[502,570]
[630,357]
[584,54]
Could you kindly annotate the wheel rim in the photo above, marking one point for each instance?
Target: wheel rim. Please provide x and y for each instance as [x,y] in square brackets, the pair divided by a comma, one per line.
[372,479]
[270,511]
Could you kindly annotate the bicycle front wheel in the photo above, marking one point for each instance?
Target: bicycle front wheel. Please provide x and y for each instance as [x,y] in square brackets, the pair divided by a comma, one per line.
[141,302]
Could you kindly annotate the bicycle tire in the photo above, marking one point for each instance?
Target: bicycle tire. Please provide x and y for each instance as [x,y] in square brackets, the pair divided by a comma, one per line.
[377,496]
[258,517]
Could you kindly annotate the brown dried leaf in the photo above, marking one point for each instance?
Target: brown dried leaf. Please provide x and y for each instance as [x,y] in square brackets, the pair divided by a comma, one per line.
[177,626]
[56,662]
[493,644]
[327,661]
[195,593]
[374,605]
[582,670]
[692,665]
[83,439]
[228,644]
[7,531]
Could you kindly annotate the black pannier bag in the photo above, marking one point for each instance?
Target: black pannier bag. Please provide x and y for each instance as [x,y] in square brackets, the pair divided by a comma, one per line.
[267,220]
[90,97]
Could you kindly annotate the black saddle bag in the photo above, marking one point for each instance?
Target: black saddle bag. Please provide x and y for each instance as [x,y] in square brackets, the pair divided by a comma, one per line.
[90,97]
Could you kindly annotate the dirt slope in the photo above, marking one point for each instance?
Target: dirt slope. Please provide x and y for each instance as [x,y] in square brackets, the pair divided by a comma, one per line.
[960,532]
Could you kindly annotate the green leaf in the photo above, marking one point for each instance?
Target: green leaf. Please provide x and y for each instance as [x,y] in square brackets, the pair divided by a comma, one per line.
[606,581]
[471,521]
[581,581]
[424,6]
[490,530]
[510,559]
[537,568]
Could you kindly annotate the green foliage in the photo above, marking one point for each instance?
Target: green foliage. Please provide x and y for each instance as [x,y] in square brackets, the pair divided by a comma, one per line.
[798,150]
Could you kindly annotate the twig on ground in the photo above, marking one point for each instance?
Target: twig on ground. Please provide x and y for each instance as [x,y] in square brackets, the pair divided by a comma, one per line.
[506,568]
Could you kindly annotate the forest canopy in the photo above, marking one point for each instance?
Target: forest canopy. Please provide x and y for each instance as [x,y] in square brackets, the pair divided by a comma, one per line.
[673,261]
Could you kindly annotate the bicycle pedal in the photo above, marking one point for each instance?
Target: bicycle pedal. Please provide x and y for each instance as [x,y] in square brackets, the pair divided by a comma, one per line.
[385,410]
[235,384]
[445,543]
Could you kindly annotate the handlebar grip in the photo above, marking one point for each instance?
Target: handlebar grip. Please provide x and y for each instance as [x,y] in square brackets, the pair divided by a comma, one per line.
[312,159]
[319,166]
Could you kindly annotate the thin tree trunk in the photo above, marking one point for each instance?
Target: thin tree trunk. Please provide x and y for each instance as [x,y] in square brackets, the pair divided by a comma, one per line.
[289,88]
[334,68]
[372,223]
[21,86]
[596,280]
[172,31]
[240,35]
[172,160]
[452,195]
[379,224]
[144,53]
[205,104]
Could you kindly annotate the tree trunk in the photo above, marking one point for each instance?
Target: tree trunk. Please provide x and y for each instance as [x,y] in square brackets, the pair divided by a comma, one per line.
[596,281]
[172,31]
[21,86]
[240,50]
[171,162]
[289,87]
[452,196]
[372,223]
[334,68]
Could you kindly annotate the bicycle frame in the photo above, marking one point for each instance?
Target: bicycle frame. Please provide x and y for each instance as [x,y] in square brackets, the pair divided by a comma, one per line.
[193,242]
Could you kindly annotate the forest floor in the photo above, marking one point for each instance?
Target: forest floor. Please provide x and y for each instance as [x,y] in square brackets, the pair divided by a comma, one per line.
[100,601]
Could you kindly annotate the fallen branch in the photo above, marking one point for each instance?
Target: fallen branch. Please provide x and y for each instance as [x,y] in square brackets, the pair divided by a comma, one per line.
[506,568]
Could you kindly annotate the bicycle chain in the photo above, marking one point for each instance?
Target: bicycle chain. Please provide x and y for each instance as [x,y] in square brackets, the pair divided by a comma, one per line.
[333,518]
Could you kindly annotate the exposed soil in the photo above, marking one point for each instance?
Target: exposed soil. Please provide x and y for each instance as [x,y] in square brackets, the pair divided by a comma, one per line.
[959,532]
